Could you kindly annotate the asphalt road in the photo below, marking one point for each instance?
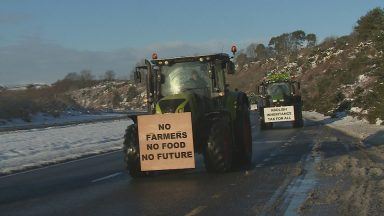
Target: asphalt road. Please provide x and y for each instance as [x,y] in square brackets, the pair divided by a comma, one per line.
[276,184]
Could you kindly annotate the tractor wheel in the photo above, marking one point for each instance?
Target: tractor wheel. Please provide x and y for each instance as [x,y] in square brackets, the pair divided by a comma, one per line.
[298,123]
[243,137]
[263,125]
[131,152]
[218,152]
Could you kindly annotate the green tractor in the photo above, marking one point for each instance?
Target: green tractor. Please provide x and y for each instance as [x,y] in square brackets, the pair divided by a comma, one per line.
[220,117]
[279,101]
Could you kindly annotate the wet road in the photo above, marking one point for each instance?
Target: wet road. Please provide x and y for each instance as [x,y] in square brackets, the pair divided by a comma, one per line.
[277,183]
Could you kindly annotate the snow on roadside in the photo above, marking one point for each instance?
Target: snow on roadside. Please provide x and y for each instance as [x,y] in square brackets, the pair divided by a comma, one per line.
[41,119]
[37,147]
[349,125]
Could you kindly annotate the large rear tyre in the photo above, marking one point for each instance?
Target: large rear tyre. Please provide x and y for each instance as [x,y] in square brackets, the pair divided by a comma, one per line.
[131,152]
[243,137]
[219,150]
[299,122]
[265,126]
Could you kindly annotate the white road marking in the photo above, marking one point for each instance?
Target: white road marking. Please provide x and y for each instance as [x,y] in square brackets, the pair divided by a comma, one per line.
[196,211]
[273,198]
[267,159]
[260,165]
[107,177]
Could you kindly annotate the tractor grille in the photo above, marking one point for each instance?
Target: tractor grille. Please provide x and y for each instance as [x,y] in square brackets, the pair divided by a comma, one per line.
[170,106]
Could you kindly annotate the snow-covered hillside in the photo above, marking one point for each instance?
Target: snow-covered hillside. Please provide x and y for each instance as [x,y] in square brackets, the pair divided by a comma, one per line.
[111,95]
[340,75]
[40,120]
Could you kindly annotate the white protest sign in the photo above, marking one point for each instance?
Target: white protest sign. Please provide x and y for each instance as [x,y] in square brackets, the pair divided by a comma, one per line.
[279,114]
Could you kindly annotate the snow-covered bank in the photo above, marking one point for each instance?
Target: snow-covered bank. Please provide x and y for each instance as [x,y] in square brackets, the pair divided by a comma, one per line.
[37,147]
[354,127]
[44,120]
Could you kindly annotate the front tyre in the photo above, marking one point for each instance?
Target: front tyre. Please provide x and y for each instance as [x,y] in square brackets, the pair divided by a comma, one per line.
[219,150]
[131,152]
[243,136]
[299,122]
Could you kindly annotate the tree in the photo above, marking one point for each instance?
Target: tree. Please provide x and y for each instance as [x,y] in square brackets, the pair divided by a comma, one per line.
[289,43]
[86,75]
[251,50]
[256,51]
[296,40]
[109,75]
[311,40]
[241,60]
[73,76]
[280,44]
[371,25]
[261,51]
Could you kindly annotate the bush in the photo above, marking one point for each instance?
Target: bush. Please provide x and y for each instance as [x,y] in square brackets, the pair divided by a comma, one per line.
[24,103]
[132,93]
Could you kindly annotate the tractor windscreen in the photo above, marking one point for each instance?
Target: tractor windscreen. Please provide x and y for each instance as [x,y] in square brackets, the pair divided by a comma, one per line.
[186,77]
[278,90]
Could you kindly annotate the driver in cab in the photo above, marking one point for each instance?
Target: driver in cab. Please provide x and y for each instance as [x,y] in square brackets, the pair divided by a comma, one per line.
[197,80]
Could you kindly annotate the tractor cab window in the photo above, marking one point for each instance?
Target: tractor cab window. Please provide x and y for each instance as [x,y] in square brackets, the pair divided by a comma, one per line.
[219,76]
[278,90]
[186,77]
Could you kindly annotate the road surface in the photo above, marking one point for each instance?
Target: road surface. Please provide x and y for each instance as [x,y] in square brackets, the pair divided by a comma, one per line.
[278,183]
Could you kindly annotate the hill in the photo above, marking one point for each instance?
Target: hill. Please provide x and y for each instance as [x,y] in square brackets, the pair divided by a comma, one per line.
[342,75]
[69,97]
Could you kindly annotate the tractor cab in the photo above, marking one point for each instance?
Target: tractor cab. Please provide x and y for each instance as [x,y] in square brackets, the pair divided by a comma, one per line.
[171,83]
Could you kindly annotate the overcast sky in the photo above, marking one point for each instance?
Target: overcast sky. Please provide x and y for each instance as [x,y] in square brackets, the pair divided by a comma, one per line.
[43,40]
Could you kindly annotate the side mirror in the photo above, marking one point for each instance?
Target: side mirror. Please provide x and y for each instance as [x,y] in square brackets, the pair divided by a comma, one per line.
[230,68]
[212,74]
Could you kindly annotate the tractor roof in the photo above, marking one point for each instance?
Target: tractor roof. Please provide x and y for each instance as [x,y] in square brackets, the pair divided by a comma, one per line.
[192,58]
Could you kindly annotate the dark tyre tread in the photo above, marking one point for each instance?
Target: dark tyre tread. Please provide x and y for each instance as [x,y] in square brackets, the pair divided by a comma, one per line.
[299,122]
[131,152]
[218,152]
[243,137]
[263,125]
